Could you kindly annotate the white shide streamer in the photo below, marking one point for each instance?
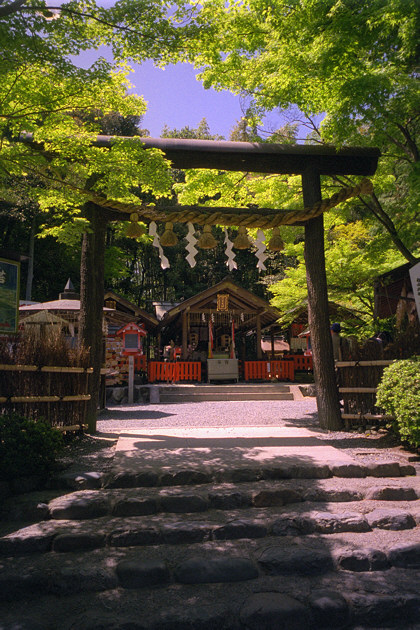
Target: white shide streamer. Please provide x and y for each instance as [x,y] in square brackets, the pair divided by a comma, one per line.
[191,249]
[229,253]
[260,253]
[164,262]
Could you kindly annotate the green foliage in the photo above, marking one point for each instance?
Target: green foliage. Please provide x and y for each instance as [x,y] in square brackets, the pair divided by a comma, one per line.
[26,447]
[202,132]
[353,63]
[398,394]
[45,93]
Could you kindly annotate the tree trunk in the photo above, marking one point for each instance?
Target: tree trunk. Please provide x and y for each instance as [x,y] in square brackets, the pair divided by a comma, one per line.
[318,312]
[92,302]
[30,277]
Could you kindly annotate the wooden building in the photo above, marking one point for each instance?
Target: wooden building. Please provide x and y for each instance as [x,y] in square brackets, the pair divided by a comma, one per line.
[220,331]
[393,295]
[64,314]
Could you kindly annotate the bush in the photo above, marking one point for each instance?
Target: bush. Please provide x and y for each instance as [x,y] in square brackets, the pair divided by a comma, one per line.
[27,448]
[399,395]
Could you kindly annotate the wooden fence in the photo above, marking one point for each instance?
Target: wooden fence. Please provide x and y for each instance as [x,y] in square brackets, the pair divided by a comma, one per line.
[267,370]
[173,372]
[301,362]
[358,382]
[57,394]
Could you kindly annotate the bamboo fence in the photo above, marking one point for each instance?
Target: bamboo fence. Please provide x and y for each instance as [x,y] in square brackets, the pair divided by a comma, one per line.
[361,370]
[357,383]
[57,394]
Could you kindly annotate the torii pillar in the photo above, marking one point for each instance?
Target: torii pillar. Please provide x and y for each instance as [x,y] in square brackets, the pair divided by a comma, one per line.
[329,414]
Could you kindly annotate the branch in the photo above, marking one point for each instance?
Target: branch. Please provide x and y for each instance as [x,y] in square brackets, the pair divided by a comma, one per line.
[13,7]
[380,214]
[18,5]
[386,221]
[410,142]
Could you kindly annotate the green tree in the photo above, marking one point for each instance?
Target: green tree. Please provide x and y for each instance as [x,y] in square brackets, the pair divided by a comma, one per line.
[202,132]
[40,85]
[356,63]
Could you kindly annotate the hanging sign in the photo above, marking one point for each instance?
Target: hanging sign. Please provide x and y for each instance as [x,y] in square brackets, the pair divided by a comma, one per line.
[9,296]
[223,301]
[415,283]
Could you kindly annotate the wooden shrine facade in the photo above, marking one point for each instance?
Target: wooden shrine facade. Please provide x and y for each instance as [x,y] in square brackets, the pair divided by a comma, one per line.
[212,329]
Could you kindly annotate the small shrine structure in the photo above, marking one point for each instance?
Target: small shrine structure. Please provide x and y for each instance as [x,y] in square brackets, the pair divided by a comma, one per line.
[220,333]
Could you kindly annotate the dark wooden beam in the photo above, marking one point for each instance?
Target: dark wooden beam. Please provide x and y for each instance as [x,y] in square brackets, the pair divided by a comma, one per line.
[261,157]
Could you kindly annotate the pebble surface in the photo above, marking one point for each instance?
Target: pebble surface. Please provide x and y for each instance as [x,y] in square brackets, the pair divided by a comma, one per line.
[210,414]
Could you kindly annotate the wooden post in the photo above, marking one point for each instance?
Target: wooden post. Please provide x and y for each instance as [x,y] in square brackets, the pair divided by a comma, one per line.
[318,312]
[184,335]
[92,302]
[130,379]
[259,351]
[272,344]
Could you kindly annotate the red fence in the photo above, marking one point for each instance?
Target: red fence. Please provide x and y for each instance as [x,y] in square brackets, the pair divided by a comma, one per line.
[140,362]
[266,370]
[173,372]
[301,362]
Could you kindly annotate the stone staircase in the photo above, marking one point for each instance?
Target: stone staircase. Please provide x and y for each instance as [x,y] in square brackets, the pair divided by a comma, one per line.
[230,392]
[281,546]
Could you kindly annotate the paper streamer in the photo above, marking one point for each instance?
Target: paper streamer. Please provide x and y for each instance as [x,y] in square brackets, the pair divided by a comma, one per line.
[229,253]
[191,249]
[260,253]
[164,262]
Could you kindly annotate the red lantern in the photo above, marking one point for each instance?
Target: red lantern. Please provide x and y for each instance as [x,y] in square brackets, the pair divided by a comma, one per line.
[131,335]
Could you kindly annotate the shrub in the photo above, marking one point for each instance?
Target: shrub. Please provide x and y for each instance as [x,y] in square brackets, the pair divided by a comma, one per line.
[27,448]
[399,395]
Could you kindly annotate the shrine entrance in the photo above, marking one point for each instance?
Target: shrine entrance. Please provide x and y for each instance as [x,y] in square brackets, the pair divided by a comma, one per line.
[311,162]
[218,337]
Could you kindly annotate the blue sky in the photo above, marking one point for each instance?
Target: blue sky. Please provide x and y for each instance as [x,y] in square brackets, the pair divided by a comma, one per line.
[176,98]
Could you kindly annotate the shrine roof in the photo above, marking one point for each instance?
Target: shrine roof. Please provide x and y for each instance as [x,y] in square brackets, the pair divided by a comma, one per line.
[240,300]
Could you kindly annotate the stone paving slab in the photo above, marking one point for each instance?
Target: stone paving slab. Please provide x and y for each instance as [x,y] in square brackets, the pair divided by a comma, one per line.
[224,448]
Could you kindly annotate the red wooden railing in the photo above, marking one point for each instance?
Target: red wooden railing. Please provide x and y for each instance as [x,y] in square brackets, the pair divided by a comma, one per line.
[140,363]
[300,361]
[174,371]
[266,370]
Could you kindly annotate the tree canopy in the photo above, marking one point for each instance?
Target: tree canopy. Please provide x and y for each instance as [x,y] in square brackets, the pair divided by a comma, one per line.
[354,63]
[41,83]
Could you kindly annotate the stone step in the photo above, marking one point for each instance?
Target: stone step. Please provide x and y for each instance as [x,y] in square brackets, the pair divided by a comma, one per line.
[156,476]
[231,585]
[180,397]
[86,504]
[86,523]
[224,392]
[226,388]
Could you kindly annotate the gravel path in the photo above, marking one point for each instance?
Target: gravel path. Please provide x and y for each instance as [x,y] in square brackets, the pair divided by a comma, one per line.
[96,452]
[210,414]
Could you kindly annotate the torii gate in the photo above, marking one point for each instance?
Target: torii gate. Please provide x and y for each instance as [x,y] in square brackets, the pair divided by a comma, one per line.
[308,161]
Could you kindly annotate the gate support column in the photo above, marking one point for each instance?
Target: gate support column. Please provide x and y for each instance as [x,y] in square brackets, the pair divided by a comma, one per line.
[92,302]
[259,351]
[318,311]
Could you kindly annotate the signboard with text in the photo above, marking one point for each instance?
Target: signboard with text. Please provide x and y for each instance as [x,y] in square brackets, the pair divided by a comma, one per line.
[9,296]
[415,283]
